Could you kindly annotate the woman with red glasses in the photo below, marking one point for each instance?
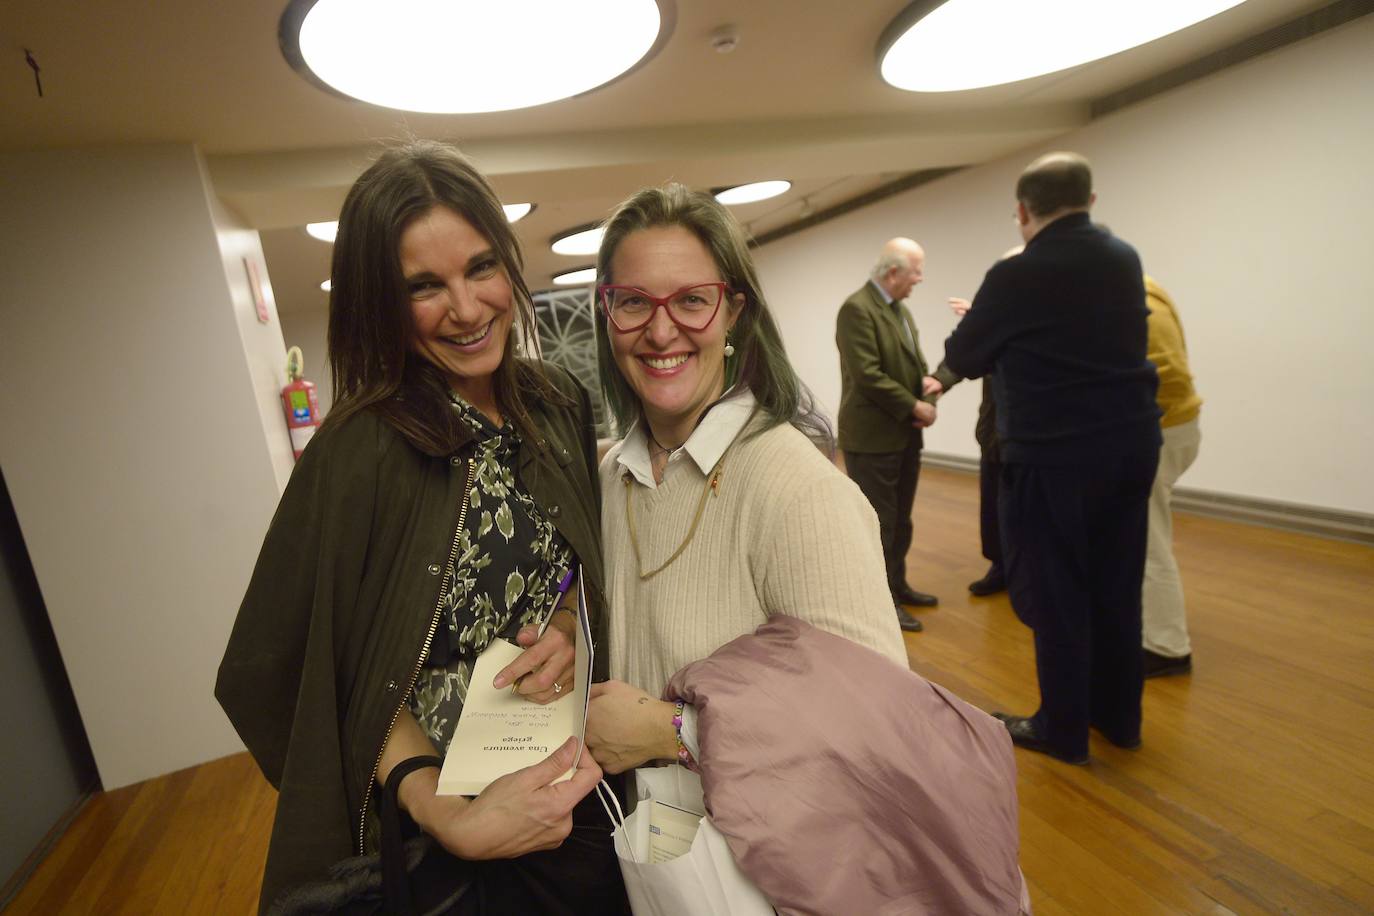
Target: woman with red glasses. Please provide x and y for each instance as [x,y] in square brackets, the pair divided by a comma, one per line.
[750,630]
[720,507]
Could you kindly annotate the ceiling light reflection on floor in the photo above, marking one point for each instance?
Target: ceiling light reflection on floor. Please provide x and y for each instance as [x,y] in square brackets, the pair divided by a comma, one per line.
[969,44]
[443,57]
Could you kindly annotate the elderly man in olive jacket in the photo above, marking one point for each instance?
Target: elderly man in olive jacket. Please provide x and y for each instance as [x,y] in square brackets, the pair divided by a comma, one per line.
[882,408]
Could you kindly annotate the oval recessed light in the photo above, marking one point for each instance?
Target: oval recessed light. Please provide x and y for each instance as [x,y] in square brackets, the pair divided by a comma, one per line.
[575,277]
[582,240]
[969,44]
[325,232]
[474,57]
[327,285]
[749,193]
[516,212]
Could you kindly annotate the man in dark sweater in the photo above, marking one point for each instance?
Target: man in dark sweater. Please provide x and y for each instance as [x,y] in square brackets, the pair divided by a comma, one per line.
[1063,324]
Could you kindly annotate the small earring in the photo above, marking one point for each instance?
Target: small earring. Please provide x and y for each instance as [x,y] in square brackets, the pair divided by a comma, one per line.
[729,347]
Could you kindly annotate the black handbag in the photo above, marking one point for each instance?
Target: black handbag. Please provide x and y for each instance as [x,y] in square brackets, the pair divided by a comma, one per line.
[410,876]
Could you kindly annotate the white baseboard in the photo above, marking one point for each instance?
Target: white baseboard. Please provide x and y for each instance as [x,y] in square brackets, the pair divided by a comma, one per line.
[1254,510]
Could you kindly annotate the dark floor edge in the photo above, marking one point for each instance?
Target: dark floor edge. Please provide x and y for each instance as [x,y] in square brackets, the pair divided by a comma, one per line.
[1271,513]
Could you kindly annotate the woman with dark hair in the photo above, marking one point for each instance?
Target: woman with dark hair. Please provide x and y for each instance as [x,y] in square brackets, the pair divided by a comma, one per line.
[751,633]
[445,502]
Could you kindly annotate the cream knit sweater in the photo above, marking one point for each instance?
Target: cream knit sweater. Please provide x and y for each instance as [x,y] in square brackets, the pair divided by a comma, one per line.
[786,532]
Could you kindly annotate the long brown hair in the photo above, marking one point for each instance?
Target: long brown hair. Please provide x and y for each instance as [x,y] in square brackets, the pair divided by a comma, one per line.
[370,324]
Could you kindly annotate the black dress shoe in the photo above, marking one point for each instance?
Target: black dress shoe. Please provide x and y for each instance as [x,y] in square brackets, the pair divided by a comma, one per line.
[1157,665]
[990,584]
[905,594]
[908,623]
[1024,734]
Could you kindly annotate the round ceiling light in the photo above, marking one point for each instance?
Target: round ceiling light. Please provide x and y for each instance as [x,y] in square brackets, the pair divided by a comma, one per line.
[576,277]
[969,44]
[582,240]
[325,232]
[749,193]
[328,232]
[444,57]
[327,285]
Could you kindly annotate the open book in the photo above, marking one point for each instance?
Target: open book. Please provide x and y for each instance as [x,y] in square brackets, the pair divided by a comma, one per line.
[500,732]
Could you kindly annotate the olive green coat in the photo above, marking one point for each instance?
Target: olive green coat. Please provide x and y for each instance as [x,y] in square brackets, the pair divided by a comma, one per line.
[880,374]
[329,636]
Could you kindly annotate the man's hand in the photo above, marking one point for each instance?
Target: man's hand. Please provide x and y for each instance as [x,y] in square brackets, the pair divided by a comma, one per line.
[931,385]
[922,415]
[959,306]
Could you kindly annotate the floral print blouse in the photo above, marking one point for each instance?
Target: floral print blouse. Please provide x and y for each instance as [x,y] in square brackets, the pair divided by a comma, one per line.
[509,563]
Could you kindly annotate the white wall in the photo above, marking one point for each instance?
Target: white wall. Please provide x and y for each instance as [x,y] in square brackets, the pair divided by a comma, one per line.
[142,468]
[309,330]
[263,350]
[1249,196]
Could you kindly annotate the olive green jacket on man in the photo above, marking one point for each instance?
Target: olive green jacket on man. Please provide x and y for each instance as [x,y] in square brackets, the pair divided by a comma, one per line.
[880,373]
[332,630]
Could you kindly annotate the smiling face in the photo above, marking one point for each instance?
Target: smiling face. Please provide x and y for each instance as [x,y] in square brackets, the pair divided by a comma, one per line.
[676,374]
[460,301]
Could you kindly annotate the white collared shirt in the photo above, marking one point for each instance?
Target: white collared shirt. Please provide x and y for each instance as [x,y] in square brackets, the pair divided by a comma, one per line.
[721,426]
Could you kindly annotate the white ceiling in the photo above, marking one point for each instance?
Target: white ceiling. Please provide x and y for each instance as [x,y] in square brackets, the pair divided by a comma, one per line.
[800,98]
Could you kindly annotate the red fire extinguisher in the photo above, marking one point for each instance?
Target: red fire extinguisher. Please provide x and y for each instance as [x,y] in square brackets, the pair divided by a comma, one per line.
[301,403]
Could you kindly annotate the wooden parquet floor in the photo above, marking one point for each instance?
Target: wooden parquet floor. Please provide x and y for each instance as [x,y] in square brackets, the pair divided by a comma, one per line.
[1253,792]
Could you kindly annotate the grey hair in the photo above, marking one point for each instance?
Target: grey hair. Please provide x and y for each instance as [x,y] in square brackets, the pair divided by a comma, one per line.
[887,262]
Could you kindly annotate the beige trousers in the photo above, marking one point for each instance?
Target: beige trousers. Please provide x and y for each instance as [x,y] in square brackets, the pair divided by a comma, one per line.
[1164,617]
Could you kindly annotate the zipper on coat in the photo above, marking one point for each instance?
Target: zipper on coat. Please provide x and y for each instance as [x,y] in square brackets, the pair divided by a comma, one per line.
[424,649]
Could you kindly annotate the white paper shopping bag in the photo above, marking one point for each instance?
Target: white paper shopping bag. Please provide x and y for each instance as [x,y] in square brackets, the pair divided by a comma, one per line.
[702,881]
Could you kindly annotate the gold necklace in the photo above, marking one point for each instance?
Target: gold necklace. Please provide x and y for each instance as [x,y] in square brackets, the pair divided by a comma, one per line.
[712,486]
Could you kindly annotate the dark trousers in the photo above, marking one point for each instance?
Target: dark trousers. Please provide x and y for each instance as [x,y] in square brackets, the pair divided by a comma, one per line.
[989,526]
[889,480]
[1074,540]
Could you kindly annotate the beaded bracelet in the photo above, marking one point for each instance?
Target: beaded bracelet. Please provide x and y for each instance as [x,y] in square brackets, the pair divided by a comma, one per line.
[684,756]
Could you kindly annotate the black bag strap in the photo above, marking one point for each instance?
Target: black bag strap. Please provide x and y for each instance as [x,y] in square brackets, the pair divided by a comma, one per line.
[395,881]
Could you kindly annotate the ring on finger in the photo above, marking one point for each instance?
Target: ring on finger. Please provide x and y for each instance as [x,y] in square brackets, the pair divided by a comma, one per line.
[557,687]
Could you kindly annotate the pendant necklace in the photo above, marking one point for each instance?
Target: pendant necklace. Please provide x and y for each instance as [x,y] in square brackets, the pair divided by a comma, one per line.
[712,486]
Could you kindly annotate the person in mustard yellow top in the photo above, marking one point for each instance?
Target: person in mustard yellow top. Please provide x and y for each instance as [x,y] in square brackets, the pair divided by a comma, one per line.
[1167,649]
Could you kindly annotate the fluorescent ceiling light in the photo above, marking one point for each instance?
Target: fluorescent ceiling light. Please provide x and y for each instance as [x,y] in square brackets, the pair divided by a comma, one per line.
[968,44]
[327,285]
[576,277]
[579,241]
[448,57]
[748,193]
[516,212]
[325,232]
